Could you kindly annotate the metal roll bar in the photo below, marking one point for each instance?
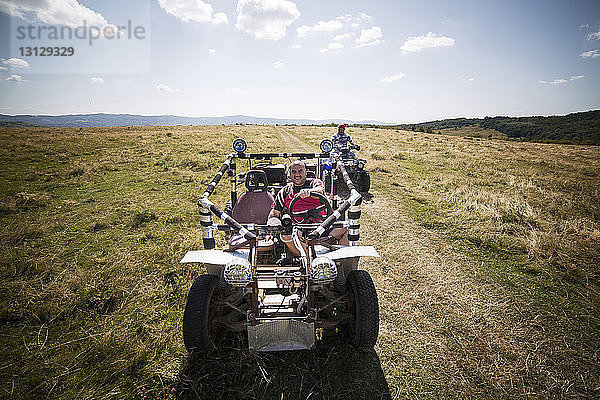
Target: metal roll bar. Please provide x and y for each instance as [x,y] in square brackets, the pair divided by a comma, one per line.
[352,203]
[283,155]
[206,207]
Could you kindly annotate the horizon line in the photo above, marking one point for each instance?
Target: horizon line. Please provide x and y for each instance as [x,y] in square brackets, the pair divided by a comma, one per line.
[340,120]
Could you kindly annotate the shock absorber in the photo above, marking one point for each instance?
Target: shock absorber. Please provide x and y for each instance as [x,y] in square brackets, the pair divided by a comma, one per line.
[208,239]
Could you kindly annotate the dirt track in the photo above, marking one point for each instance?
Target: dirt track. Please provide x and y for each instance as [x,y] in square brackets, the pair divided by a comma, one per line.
[291,142]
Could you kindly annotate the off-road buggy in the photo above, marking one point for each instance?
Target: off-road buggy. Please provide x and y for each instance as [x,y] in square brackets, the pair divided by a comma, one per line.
[278,279]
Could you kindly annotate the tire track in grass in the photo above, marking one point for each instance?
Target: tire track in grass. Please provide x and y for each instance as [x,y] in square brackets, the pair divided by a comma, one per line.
[291,142]
[441,330]
[421,287]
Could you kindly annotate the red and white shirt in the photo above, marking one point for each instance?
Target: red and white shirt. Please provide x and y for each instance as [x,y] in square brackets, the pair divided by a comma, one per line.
[288,192]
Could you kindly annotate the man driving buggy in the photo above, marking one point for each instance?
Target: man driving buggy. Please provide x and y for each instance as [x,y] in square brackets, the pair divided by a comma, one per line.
[342,142]
[304,187]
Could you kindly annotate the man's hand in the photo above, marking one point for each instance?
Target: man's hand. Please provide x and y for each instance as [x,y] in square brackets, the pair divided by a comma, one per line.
[274,213]
[304,193]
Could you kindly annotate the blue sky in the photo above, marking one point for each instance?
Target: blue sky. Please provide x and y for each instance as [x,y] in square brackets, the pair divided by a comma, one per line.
[392,61]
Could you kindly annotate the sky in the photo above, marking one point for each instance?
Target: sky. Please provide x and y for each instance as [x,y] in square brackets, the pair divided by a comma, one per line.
[389,61]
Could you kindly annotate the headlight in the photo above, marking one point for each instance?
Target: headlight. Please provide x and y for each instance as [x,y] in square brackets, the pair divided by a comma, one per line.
[361,165]
[238,272]
[326,145]
[323,270]
[239,145]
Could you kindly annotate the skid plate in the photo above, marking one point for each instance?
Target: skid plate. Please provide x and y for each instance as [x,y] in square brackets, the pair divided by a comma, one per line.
[282,335]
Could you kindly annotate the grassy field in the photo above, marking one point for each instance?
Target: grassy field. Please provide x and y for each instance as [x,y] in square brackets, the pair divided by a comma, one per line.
[488,282]
[474,131]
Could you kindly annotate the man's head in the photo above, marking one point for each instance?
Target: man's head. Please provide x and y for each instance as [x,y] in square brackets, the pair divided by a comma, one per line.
[341,129]
[298,173]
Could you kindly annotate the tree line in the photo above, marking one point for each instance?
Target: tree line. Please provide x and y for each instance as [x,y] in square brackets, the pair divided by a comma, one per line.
[580,128]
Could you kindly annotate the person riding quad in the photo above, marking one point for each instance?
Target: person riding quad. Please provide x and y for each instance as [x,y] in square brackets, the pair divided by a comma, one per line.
[342,142]
[302,186]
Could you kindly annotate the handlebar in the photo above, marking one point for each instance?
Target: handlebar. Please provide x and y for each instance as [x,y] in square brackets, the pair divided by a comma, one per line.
[351,147]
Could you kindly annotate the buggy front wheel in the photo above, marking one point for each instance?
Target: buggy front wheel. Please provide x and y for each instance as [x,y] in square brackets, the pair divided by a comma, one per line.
[198,330]
[364,328]
[365,181]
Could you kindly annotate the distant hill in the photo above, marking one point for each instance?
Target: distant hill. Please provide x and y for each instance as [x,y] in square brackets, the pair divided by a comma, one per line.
[15,124]
[109,120]
[582,127]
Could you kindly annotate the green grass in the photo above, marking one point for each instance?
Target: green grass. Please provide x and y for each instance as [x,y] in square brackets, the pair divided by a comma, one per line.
[488,281]
[474,131]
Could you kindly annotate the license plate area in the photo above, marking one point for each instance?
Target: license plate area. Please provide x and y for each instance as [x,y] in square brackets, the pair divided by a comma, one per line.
[281,335]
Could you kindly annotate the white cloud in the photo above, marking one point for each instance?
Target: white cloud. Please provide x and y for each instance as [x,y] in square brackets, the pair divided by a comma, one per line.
[220,18]
[561,81]
[235,91]
[15,78]
[469,79]
[277,64]
[321,26]
[162,88]
[342,37]
[297,46]
[55,12]
[97,79]
[555,82]
[558,82]
[583,26]
[15,63]
[417,43]
[370,37]
[590,54]
[212,52]
[352,21]
[333,46]
[593,36]
[266,19]
[332,25]
[3,68]
[193,11]
[393,78]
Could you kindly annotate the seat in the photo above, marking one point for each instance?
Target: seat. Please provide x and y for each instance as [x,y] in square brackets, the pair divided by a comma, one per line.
[254,205]
[276,173]
[253,208]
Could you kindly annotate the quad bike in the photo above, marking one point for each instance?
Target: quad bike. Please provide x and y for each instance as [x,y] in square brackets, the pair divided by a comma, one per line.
[355,167]
[278,280]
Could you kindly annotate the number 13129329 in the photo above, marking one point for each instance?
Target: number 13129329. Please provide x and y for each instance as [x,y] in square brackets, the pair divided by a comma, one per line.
[46,51]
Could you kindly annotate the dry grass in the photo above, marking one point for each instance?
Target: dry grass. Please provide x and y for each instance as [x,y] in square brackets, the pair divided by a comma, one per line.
[488,283]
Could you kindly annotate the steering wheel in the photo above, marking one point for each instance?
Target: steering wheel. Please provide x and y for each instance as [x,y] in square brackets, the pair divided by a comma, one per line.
[305,216]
